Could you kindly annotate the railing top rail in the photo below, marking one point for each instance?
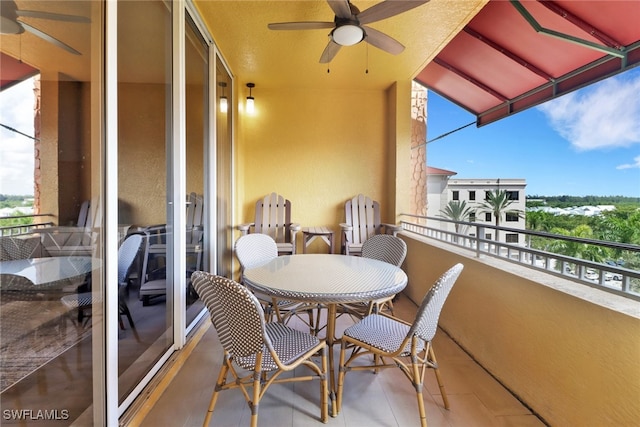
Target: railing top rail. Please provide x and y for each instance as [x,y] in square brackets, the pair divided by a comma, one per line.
[609,276]
[25,216]
[614,245]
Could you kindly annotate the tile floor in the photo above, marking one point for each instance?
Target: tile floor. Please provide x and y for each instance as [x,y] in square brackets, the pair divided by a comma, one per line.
[370,400]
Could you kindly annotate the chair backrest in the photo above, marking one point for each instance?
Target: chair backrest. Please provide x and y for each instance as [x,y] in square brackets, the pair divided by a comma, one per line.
[127,254]
[273,217]
[255,249]
[195,209]
[90,219]
[235,313]
[363,214]
[19,247]
[83,214]
[385,247]
[426,322]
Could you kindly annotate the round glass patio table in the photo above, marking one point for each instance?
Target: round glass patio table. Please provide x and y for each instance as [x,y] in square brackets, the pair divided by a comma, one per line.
[49,272]
[328,280]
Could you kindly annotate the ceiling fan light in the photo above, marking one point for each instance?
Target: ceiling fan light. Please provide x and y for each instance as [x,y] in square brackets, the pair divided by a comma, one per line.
[347,35]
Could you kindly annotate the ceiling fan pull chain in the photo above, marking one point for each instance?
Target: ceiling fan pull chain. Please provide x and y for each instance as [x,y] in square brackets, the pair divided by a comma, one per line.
[366,71]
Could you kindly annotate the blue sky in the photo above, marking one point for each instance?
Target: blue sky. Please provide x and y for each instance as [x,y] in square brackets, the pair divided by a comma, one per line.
[584,143]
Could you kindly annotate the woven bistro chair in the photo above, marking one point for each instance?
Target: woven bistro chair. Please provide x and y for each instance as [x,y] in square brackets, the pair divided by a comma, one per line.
[408,346]
[264,349]
[20,247]
[382,247]
[256,249]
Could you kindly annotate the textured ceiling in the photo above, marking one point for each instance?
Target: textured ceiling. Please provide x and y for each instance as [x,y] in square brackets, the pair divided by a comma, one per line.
[291,58]
[253,52]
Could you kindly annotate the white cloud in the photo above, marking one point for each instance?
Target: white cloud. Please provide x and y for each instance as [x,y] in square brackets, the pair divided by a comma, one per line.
[635,165]
[604,115]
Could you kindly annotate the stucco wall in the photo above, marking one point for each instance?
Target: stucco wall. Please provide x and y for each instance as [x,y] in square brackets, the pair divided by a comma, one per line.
[318,149]
[142,154]
[574,362]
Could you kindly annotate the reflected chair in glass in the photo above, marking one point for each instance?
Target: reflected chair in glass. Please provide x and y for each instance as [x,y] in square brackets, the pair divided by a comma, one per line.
[256,249]
[83,301]
[20,247]
[262,350]
[394,343]
[153,280]
[78,239]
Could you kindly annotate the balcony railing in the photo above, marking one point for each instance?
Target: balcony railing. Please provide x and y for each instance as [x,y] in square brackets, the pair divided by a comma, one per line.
[17,227]
[609,276]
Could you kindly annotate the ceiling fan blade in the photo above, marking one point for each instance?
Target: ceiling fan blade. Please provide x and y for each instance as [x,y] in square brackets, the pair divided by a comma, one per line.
[329,52]
[9,26]
[382,41]
[340,8]
[49,38]
[52,16]
[300,25]
[387,9]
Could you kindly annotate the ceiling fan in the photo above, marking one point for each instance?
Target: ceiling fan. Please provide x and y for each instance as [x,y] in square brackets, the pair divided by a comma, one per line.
[11,22]
[349,26]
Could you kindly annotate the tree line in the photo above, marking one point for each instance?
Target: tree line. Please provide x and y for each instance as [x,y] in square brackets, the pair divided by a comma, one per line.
[621,225]
[568,201]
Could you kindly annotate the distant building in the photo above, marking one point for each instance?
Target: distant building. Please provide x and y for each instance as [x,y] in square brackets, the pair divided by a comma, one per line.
[442,188]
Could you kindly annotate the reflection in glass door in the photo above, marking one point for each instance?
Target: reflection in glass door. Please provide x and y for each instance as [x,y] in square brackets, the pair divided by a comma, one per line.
[224,182]
[144,184]
[50,344]
[197,130]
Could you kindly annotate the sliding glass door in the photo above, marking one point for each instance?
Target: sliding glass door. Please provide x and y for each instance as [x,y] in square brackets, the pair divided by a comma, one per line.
[145,189]
[197,137]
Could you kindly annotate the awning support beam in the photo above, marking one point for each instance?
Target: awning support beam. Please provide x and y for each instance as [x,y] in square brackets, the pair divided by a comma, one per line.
[566,37]
[506,52]
[470,79]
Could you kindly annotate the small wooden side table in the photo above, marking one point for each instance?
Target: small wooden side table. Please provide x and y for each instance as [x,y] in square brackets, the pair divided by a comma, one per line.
[312,233]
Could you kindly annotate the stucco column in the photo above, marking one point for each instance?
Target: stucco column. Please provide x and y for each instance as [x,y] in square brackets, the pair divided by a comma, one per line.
[418,149]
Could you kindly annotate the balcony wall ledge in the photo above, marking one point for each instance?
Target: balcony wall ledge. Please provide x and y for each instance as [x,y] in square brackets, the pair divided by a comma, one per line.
[557,282]
[568,351]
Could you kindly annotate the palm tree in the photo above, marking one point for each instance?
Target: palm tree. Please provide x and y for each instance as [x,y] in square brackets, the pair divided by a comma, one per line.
[577,249]
[457,211]
[497,203]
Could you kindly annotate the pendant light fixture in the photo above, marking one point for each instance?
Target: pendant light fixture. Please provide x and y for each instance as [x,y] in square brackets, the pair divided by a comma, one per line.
[224,102]
[250,105]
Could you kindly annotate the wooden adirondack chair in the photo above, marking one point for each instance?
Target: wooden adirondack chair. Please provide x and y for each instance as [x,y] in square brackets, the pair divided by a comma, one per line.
[273,217]
[76,240]
[362,220]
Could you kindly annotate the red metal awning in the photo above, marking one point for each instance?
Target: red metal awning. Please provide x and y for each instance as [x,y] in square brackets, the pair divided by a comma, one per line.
[517,54]
[14,71]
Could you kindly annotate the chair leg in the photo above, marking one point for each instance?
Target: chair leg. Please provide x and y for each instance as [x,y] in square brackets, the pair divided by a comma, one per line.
[324,387]
[432,360]
[255,403]
[214,397]
[124,309]
[341,372]
[418,385]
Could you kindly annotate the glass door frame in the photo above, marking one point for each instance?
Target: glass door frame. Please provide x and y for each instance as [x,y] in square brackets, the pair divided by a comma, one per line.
[105,390]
